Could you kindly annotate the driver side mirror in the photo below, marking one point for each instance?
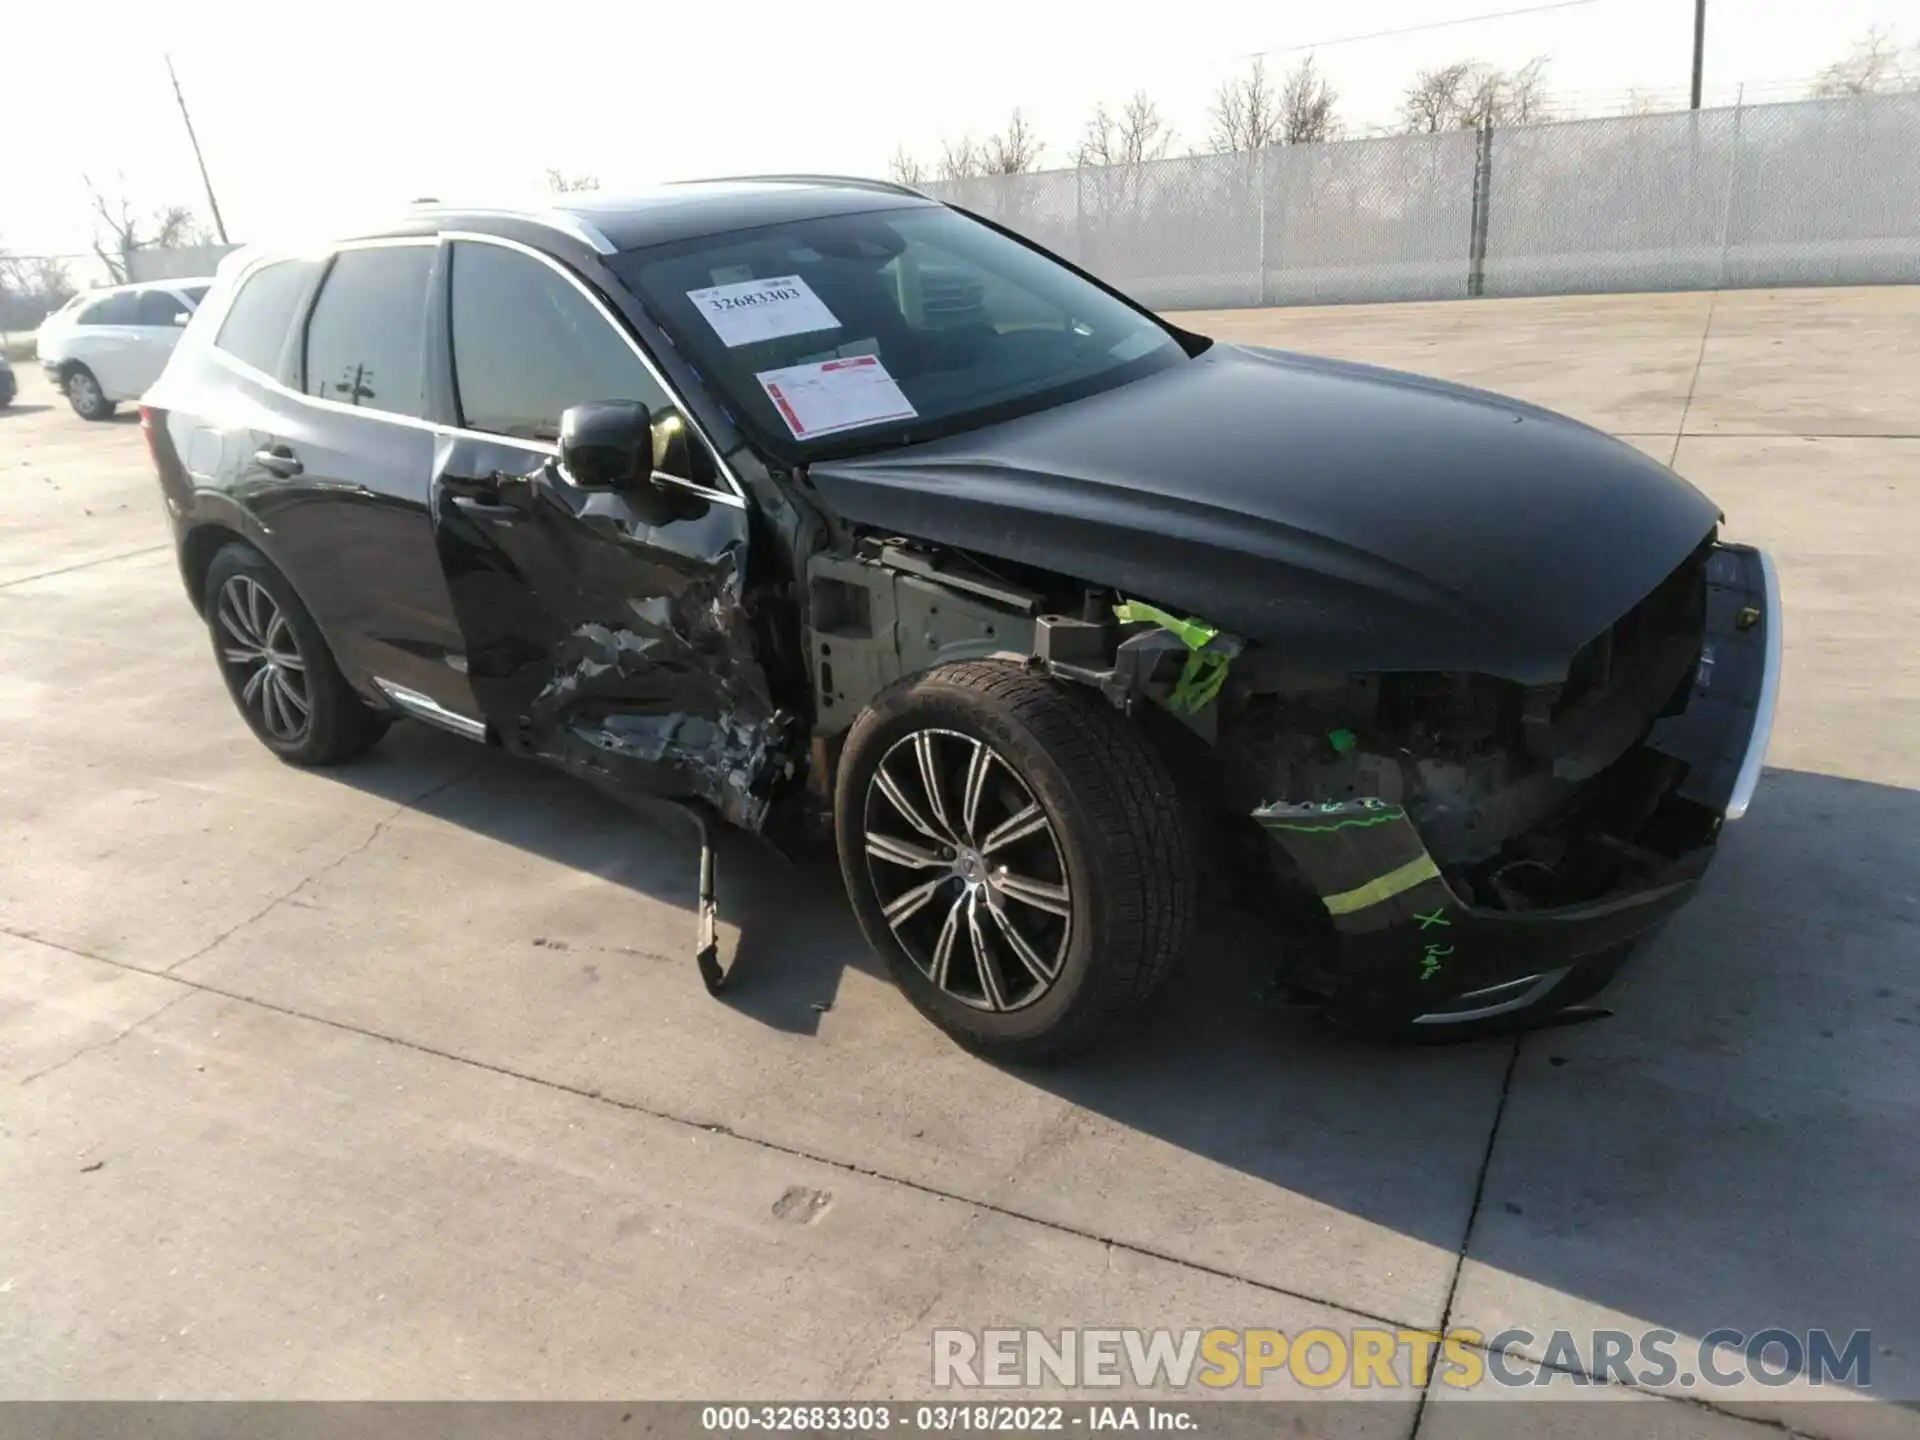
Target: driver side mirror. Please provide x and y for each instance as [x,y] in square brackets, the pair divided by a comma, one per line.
[608,444]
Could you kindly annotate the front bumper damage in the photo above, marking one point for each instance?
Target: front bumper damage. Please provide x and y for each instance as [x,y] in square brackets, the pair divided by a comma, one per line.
[1410,948]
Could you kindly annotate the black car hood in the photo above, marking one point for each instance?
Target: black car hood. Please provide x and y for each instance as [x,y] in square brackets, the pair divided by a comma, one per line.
[1358,518]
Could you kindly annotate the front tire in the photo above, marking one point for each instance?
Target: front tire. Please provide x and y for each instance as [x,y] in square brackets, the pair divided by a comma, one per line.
[283,678]
[1016,851]
[89,401]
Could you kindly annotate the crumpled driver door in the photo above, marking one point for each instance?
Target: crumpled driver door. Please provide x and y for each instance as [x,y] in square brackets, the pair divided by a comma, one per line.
[605,630]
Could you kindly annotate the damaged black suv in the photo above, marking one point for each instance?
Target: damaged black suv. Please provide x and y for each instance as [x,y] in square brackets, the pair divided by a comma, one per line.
[814,504]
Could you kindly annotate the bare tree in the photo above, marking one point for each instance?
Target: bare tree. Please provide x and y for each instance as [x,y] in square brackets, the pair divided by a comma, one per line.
[906,170]
[1306,106]
[1139,134]
[1467,95]
[561,183]
[1245,113]
[1014,151]
[960,159]
[1432,102]
[31,288]
[1526,100]
[119,230]
[1876,63]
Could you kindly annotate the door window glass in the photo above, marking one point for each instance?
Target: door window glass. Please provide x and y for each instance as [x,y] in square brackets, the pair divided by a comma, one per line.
[158,307]
[114,310]
[365,339]
[256,324]
[527,344]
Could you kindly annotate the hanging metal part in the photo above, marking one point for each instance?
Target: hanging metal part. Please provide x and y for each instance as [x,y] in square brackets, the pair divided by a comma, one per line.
[706,953]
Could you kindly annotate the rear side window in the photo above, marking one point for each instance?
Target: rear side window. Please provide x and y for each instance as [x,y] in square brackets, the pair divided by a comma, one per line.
[366,336]
[118,309]
[527,344]
[158,307]
[255,329]
[195,293]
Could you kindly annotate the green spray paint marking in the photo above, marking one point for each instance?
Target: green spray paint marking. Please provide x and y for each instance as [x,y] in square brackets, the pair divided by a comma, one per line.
[1430,961]
[1378,818]
[1204,672]
[1438,917]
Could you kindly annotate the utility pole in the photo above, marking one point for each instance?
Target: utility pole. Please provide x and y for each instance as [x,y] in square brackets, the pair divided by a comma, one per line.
[220,225]
[1699,46]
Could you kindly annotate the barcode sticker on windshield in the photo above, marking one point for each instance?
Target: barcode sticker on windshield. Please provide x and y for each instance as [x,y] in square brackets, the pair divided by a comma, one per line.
[833,395]
[754,310]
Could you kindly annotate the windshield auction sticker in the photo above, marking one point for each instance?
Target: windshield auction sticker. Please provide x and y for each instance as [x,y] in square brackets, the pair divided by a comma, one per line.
[752,310]
[833,395]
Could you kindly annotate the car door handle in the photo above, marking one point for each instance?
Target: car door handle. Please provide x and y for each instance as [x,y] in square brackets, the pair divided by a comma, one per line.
[278,460]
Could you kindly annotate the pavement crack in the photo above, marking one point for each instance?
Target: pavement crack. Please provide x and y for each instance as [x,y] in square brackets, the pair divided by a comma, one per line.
[97,1046]
[380,828]
[83,565]
[1466,1233]
[1699,362]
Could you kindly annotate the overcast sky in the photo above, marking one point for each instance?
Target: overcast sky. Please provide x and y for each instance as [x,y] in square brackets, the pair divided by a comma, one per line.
[308,111]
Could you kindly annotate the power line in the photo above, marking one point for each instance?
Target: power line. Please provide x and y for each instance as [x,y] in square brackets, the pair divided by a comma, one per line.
[1416,29]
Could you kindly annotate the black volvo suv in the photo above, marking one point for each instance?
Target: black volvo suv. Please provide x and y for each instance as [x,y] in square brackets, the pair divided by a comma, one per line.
[814,505]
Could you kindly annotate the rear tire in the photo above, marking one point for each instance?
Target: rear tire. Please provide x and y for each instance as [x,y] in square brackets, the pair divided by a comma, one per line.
[277,666]
[1016,851]
[89,401]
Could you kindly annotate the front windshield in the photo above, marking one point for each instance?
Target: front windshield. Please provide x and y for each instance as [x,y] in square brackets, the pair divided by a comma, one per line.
[835,334]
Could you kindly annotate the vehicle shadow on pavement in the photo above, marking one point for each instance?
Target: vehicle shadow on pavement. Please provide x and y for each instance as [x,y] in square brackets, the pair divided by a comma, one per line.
[1681,1164]
[17,408]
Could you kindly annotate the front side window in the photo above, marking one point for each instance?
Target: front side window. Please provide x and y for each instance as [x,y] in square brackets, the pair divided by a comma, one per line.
[527,345]
[256,324]
[366,337]
[118,309]
[849,331]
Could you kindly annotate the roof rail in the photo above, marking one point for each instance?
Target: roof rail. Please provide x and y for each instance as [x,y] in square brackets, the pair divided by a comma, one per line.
[855,182]
[565,221]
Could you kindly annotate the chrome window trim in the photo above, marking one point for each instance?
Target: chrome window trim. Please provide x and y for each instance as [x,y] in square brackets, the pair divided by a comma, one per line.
[1751,763]
[735,497]
[739,493]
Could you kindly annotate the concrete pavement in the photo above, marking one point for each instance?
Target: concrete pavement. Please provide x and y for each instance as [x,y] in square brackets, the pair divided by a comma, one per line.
[396,1080]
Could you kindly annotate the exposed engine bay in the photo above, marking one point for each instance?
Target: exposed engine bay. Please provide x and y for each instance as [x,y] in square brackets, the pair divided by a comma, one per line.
[1491,773]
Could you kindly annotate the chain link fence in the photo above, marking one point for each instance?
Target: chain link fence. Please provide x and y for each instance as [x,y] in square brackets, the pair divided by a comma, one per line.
[1809,193]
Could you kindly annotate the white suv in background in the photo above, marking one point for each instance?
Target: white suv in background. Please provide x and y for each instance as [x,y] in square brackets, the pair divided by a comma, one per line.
[106,346]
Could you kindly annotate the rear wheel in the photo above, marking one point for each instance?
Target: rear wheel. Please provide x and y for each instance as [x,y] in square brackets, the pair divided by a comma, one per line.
[278,668]
[1016,851]
[89,401]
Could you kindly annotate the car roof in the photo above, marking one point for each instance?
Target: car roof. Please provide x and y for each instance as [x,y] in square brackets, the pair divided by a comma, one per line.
[170,283]
[613,221]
